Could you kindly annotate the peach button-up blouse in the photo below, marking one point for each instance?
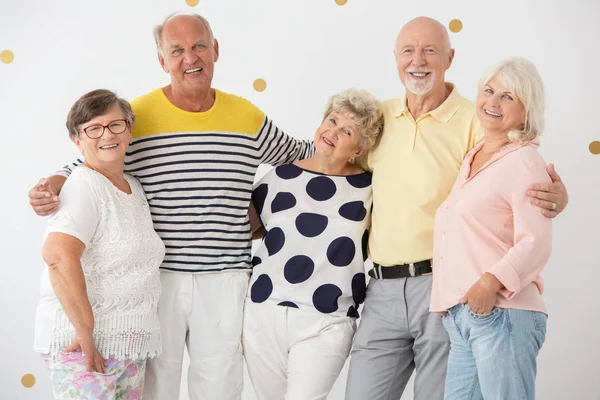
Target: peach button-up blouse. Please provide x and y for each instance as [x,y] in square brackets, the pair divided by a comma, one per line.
[487,224]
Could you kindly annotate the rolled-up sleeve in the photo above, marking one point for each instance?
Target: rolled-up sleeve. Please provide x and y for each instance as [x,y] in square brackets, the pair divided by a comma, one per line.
[523,263]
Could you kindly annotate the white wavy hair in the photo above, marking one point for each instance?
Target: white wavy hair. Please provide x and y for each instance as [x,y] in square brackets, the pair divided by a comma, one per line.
[522,78]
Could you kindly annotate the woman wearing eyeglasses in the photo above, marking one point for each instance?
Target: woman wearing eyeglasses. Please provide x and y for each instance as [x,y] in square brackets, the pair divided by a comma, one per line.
[96,322]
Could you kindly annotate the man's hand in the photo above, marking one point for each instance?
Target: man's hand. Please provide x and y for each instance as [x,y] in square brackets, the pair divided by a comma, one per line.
[93,359]
[481,297]
[42,199]
[552,198]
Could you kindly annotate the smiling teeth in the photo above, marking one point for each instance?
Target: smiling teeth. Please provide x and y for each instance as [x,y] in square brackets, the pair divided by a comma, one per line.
[108,146]
[493,114]
[190,71]
[419,74]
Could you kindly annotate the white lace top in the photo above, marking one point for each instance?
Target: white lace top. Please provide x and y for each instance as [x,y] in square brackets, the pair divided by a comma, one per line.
[120,264]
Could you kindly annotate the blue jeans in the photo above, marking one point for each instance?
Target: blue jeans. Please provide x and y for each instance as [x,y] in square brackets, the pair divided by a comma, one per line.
[493,356]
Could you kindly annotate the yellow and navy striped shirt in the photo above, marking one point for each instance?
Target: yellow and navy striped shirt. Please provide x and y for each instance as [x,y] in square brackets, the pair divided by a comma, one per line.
[197,169]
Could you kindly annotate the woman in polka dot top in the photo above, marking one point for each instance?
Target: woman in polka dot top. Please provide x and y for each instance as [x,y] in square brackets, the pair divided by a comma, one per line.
[308,278]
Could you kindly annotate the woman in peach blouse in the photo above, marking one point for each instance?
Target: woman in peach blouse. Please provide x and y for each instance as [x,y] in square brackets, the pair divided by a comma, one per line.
[491,243]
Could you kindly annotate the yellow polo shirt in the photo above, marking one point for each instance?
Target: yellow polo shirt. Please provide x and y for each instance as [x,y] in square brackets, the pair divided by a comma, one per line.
[415,164]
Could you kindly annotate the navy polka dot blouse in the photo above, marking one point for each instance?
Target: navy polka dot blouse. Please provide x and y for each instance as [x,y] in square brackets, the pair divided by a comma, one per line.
[315,245]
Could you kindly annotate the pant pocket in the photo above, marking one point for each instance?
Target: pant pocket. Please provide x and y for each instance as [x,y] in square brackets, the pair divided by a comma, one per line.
[483,317]
[539,320]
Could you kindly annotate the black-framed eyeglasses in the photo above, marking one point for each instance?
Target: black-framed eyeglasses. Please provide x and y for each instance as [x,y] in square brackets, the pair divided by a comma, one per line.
[97,130]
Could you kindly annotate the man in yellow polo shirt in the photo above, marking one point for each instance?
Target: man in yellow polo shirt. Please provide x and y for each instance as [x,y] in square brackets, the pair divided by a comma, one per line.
[426,136]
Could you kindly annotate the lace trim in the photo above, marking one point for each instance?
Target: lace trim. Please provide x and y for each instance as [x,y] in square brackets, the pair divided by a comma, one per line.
[123,337]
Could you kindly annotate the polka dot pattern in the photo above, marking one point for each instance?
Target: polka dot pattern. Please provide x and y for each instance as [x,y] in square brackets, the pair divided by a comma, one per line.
[260,85]
[259,195]
[274,241]
[326,297]
[321,188]
[354,211]
[7,56]
[283,201]
[28,380]
[309,257]
[365,245]
[595,147]
[192,3]
[288,171]
[298,269]
[455,25]
[341,251]
[341,2]
[359,288]
[352,313]
[261,289]
[360,181]
[311,225]
[288,304]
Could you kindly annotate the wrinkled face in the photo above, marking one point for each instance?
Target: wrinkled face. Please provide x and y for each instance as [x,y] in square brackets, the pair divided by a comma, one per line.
[422,58]
[188,54]
[338,137]
[108,148]
[498,109]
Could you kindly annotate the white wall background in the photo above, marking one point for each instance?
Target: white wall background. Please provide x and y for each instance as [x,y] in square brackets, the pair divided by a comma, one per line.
[306,50]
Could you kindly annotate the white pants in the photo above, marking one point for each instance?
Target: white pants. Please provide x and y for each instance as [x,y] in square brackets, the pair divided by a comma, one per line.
[293,354]
[203,312]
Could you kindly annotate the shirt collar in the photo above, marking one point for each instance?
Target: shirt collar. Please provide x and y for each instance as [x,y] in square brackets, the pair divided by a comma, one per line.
[509,148]
[443,113]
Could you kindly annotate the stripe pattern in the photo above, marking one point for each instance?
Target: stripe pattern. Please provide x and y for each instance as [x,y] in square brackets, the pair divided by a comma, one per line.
[198,187]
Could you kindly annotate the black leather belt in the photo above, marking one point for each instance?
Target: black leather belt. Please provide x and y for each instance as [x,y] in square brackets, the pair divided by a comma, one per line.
[400,271]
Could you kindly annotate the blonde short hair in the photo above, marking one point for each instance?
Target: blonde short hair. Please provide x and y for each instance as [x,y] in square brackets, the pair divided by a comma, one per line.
[364,110]
[522,78]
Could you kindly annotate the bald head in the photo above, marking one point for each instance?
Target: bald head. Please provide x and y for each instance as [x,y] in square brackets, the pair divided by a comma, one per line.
[180,20]
[423,54]
[427,30]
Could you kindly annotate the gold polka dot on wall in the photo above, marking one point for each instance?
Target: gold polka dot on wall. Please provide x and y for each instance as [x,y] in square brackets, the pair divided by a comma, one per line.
[260,85]
[595,147]
[192,3]
[341,2]
[28,380]
[7,56]
[455,25]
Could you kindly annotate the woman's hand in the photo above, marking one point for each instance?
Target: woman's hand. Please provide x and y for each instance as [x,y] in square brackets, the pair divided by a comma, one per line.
[481,297]
[93,359]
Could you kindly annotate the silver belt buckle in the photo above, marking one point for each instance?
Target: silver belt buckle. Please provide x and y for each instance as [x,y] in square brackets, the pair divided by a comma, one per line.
[411,269]
[378,272]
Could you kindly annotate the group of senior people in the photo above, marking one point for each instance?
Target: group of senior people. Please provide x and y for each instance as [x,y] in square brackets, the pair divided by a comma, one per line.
[457,303]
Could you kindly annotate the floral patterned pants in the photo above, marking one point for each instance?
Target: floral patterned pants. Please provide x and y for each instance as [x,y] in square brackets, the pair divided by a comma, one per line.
[123,380]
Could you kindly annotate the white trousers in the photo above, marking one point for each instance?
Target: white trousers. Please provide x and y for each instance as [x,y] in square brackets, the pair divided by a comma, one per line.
[203,312]
[293,354]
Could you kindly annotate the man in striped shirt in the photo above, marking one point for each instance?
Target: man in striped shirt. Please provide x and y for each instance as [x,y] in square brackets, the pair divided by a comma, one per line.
[195,150]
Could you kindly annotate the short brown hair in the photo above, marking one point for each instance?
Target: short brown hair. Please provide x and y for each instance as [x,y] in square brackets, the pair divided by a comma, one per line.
[94,104]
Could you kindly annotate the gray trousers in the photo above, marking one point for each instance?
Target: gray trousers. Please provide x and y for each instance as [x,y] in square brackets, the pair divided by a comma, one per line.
[397,334]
